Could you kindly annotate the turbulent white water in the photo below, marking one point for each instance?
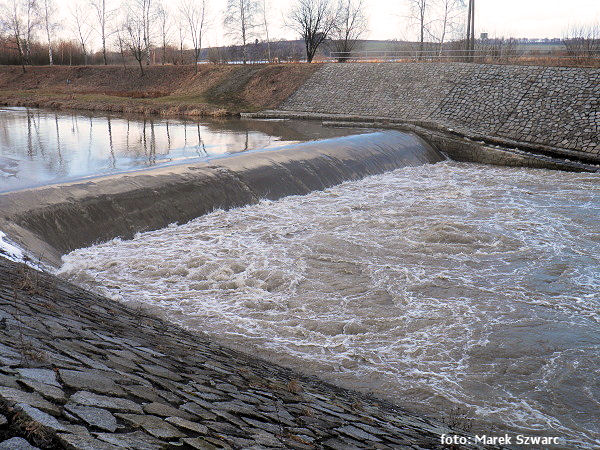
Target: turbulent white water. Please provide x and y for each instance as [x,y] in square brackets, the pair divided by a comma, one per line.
[438,286]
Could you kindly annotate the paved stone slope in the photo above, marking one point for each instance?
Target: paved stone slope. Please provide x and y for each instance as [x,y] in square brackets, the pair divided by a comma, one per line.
[551,106]
[80,371]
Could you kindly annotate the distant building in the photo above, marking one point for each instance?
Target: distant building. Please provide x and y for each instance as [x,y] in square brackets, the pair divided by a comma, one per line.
[484,36]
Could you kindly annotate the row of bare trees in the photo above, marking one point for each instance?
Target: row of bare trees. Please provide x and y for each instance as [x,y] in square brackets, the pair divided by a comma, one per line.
[583,41]
[135,25]
[138,29]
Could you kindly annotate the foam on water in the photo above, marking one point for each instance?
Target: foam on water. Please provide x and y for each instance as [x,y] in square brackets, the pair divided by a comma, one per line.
[439,286]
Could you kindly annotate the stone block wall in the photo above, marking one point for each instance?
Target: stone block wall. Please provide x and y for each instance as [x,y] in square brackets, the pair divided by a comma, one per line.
[551,106]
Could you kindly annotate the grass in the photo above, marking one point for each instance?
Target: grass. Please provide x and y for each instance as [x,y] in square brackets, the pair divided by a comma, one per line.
[164,90]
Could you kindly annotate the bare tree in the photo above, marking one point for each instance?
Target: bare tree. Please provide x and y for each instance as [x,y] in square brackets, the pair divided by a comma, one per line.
[313,20]
[583,40]
[264,7]
[351,23]
[146,22]
[447,22]
[120,41]
[103,16]
[83,30]
[181,39]
[418,11]
[32,20]
[142,11]
[240,21]
[194,14]
[12,22]
[165,27]
[48,12]
[134,36]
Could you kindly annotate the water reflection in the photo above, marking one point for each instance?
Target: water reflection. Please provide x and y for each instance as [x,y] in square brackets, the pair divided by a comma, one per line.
[40,147]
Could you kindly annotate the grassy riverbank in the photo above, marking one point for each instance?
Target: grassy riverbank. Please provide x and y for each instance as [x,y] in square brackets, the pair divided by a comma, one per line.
[214,90]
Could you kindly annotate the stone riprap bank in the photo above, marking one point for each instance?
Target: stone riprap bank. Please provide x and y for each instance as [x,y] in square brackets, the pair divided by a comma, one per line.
[546,106]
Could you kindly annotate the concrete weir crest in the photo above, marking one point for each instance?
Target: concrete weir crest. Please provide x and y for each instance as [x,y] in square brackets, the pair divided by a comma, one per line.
[51,221]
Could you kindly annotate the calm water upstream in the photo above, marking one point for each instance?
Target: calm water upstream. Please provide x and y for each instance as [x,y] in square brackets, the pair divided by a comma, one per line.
[43,147]
[443,286]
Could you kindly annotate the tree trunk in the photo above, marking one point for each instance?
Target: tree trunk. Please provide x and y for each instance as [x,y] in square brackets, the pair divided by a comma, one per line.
[20,49]
[50,60]
[104,49]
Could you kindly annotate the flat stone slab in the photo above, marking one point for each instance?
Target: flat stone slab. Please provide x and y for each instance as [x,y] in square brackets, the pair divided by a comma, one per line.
[160,409]
[9,381]
[45,376]
[137,440]
[163,372]
[16,443]
[147,393]
[49,392]
[199,443]
[357,433]
[80,442]
[90,381]
[101,401]
[41,417]
[94,417]
[8,352]
[29,398]
[187,425]
[155,426]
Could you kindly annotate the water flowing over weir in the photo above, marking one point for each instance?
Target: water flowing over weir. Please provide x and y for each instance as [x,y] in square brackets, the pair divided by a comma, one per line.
[438,286]
[56,219]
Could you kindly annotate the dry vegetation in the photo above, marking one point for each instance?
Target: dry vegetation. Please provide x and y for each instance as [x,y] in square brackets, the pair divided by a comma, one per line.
[215,90]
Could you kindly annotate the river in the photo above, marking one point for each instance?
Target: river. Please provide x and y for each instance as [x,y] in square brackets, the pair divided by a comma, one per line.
[40,147]
[464,290]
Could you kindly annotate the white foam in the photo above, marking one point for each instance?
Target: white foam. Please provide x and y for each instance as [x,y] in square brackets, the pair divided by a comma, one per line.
[13,252]
[440,285]
[9,250]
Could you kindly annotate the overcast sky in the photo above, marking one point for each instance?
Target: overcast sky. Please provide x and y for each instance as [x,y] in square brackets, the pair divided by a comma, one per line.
[388,19]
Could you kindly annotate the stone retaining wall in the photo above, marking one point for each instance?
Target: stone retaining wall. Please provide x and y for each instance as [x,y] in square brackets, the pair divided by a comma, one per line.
[549,106]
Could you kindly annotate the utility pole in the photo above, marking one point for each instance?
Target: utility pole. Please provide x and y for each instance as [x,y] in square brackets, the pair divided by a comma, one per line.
[471,30]
[472,25]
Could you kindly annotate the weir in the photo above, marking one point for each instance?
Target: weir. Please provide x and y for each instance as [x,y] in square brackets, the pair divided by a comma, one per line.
[53,220]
